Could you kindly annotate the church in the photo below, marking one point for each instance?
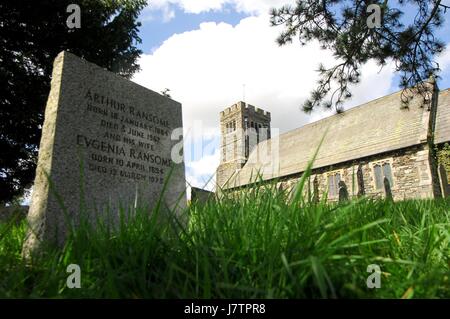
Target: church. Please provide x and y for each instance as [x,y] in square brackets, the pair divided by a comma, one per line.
[379,149]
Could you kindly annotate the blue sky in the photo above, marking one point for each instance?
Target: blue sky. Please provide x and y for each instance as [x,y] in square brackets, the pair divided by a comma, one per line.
[204,51]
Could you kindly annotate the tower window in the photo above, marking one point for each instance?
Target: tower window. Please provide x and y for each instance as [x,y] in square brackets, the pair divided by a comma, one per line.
[265,132]
[257,133]
[230,127]
[247,146]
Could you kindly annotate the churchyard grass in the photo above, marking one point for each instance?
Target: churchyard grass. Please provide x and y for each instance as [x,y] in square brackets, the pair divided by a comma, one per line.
[265,243]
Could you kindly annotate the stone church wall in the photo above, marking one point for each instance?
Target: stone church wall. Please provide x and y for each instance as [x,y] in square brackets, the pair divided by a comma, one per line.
[411,173]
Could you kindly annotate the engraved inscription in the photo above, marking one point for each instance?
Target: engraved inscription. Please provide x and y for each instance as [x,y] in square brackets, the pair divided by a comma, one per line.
[127,146]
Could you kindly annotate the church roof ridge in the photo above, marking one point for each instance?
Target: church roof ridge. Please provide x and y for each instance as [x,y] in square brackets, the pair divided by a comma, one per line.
[355,108]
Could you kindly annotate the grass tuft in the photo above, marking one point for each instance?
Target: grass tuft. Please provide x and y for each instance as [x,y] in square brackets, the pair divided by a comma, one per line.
[264,244]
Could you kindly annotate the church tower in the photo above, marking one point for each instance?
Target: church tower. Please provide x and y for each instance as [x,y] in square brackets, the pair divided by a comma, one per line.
[242,127]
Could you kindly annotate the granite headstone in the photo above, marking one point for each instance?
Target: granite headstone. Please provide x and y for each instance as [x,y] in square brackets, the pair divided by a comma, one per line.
[106,147]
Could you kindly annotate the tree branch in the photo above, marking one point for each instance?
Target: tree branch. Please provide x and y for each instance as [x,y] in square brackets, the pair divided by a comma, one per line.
[445,7]
[427,22]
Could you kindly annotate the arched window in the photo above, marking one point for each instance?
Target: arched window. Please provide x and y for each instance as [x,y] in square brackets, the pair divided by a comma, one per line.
[381,171]
[378,176]
[333,184]
[388,173]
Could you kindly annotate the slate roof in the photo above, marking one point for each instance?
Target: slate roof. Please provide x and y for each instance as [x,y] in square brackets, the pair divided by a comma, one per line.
[372,128]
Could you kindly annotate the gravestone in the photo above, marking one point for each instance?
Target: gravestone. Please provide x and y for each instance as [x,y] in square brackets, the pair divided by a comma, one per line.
[343,192]
[360,178]
[316,198]
[387,189]
[444,181]
[106,147]
[201,196]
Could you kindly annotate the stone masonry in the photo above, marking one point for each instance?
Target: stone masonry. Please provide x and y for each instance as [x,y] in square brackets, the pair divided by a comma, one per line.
[390,148]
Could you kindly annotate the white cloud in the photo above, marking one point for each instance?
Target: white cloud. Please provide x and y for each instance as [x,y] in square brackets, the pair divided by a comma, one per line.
[199,6]
[194,180]
[444,59]
[201,172]
[205,69]
[188,6]
[206,164]
[158,10]
[259,6]
[168,14]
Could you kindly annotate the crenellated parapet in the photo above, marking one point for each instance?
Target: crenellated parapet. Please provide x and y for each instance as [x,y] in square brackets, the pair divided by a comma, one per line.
[245,108]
